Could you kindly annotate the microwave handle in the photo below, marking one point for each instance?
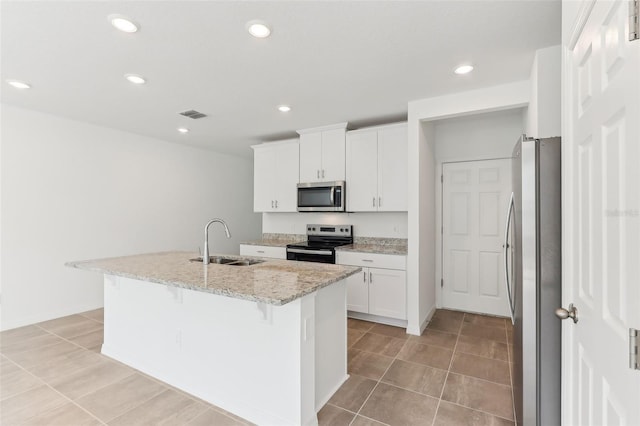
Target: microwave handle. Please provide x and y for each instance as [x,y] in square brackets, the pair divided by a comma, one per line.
[333,195]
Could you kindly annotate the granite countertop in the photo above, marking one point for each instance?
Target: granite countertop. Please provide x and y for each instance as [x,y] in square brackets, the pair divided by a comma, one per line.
[374,248]
[276,240]
[394,246]
[275,282]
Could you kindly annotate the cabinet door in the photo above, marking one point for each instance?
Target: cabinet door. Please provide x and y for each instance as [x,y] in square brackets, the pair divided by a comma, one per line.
[392,169]
[388,293]
[264,160]
[362,172]
[333,155]
[358,292]
[286,177]
[310,157]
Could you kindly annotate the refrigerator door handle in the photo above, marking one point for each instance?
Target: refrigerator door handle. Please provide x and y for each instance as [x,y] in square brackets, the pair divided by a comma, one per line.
[506,258]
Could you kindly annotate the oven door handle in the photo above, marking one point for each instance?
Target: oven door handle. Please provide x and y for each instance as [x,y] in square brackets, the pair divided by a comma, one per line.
[321,252]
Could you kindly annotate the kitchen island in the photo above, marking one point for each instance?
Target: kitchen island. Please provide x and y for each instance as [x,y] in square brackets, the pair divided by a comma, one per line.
[266,341]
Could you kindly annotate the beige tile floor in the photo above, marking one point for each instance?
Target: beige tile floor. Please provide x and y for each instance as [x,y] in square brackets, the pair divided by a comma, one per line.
[456,373]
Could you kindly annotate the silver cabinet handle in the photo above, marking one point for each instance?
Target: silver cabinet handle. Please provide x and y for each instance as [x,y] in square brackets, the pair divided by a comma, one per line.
[370,278]
[260,251]
[271,203]
[379,201]
[276,204]
[364,277]
[367,260]
[318,173]
[323,173]
[374,202]
[506,258]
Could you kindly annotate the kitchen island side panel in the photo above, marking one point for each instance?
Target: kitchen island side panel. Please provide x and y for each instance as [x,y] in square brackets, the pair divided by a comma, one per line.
[255,360]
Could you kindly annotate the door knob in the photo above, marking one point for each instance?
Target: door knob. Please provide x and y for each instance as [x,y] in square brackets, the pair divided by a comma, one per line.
[572,313]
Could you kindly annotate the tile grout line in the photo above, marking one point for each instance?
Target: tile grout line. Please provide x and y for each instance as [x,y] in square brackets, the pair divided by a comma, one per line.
[134,371]
[454,350]
[54,390]
[377,383]
[480,411]
[444,385]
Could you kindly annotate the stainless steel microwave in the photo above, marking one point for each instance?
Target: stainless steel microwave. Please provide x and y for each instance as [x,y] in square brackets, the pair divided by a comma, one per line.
[321,197]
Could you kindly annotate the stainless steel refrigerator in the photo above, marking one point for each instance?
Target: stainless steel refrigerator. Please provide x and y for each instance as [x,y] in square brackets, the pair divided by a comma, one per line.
[533,272]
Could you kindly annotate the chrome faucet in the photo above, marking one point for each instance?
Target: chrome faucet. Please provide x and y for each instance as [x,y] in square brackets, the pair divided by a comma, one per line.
[205,254]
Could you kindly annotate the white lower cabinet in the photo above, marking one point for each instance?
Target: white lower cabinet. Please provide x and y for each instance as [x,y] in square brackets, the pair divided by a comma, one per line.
[358,292]
[376,291]
[263,251]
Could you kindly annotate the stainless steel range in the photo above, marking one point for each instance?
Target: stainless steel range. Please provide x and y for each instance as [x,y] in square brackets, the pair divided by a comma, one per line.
[321,243]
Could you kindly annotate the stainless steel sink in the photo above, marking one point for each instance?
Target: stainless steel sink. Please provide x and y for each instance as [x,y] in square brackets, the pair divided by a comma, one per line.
[228,261]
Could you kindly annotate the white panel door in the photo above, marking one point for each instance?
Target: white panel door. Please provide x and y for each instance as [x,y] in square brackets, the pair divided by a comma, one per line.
[287,173]
[388,293]
[333,155]
[264,160]
[475,196]
[358,292]
[310,157]
[362,171]
[392,169]
[601,220]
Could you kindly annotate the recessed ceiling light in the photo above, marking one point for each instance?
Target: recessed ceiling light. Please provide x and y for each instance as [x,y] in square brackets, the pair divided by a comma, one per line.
[464,69]
[183,130]
[135,78]
[284,108]
[258,29]
[19,84]
[123,23]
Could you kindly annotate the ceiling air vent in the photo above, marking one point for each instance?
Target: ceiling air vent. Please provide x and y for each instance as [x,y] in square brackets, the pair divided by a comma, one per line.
[192,113]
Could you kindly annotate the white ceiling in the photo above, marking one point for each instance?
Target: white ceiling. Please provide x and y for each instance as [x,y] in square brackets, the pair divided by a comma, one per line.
[336,61]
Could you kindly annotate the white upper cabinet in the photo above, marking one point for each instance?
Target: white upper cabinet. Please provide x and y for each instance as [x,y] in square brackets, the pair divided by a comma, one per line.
[392,168]
[275,176]
[376,169]
[362,171]
[322,153]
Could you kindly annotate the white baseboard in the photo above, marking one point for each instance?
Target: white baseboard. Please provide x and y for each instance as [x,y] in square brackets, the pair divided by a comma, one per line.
[46,316]
[376,318]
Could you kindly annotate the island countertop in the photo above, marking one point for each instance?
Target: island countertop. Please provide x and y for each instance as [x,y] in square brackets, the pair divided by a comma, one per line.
[275,282]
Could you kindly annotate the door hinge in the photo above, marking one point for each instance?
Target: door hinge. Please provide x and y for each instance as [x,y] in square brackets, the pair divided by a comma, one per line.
[634,25]
[634,356]
[441,282]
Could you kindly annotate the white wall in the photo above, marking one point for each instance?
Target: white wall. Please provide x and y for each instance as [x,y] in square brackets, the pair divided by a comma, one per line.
[473,137]
[543,115]
[479,136]
[386,225]
[72,191]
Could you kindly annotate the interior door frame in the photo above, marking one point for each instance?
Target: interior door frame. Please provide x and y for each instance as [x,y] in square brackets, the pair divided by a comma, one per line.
[567,166]
[439,216]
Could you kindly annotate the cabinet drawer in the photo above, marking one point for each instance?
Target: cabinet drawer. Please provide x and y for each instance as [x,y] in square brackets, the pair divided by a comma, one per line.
[374,260]
[263,251]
